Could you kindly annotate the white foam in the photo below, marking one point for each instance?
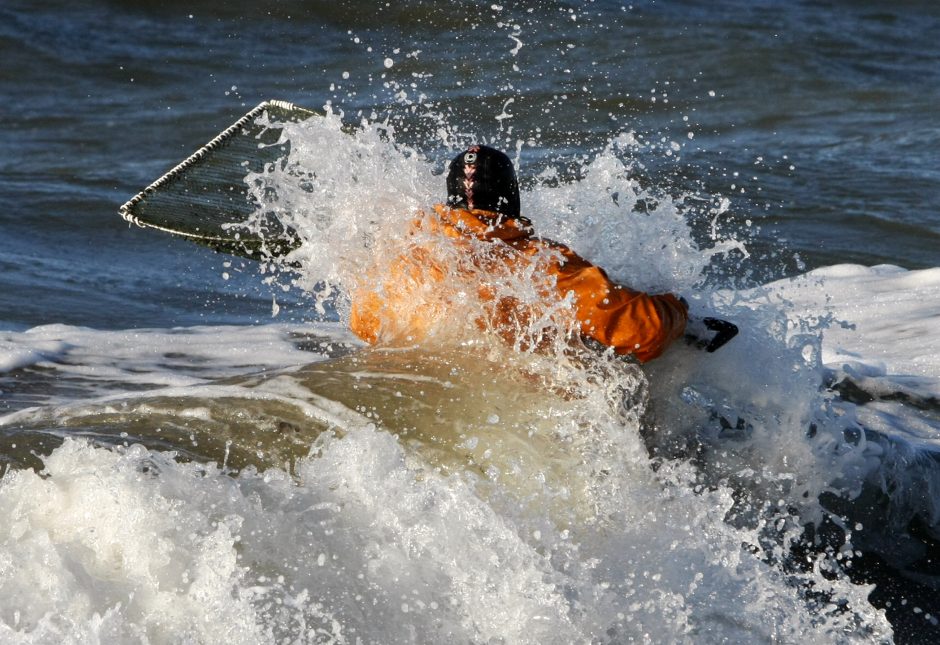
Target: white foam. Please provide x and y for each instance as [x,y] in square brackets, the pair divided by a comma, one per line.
[126,545]
[371,540]
[17,351]
[97,552]
[107,363]
[885,320]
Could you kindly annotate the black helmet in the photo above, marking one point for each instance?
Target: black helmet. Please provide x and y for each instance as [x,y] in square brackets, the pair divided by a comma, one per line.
[483,177]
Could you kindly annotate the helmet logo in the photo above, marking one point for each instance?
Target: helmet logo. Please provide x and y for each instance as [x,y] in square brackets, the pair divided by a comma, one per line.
[469,170]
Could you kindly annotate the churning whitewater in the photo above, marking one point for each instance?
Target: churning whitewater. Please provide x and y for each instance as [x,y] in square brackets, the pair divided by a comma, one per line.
[284,483]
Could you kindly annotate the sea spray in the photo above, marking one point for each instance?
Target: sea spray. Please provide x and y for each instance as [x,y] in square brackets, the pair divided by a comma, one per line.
[469,489]
[368,544]
[788,440]
[406,516]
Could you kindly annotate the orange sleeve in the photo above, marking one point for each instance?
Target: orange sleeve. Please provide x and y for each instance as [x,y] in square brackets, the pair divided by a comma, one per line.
[382,306]
[364,315]
[632,322]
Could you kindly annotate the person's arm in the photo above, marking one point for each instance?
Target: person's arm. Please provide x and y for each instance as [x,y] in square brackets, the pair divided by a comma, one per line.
[632,322]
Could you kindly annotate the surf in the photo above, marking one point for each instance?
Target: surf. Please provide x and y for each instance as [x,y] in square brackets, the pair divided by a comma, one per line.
[459,489]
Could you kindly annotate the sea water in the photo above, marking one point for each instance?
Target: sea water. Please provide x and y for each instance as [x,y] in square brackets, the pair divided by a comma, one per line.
[196,450]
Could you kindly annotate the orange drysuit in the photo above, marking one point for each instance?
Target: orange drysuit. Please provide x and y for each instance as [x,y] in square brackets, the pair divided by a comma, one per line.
[413,294]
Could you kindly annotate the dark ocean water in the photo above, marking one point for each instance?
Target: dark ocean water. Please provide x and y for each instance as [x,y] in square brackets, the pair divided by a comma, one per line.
[825,110]
[816,121]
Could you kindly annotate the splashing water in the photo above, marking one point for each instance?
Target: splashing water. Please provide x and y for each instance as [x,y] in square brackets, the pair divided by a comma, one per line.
[279,483]
[354,208]
[451,486]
